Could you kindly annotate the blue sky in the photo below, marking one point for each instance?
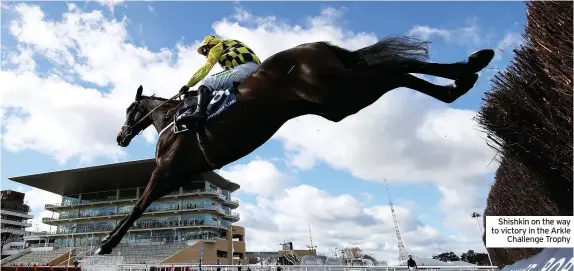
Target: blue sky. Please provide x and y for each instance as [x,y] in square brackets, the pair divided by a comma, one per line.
[433,198]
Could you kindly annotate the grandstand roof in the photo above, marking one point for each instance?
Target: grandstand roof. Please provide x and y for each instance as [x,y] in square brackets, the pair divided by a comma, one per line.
[107,177]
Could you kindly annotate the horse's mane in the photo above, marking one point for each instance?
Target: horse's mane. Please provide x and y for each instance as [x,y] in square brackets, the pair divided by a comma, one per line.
[153,97]
[169,105]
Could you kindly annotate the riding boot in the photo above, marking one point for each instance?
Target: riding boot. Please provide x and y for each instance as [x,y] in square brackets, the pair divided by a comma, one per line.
[202,102]
[199,113]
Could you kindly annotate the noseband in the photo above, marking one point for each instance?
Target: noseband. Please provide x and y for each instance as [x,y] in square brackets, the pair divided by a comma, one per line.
[129,128]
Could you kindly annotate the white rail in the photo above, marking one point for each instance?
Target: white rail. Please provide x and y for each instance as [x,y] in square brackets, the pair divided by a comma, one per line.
[195,267]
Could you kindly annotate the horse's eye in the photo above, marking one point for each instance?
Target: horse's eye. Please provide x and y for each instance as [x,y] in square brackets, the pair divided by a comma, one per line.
[129,108]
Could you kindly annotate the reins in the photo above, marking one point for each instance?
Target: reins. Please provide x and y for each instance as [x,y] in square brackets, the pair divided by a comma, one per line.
[199,140]
[151,111]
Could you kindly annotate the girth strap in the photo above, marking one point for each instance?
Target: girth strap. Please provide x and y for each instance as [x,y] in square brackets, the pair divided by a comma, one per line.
[202,148]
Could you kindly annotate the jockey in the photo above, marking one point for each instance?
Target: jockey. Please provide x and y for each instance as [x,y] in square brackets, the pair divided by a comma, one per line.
[238,61]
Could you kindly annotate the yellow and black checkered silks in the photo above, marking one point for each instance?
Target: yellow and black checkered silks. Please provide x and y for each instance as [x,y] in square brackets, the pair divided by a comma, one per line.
[236,53]
[209,40]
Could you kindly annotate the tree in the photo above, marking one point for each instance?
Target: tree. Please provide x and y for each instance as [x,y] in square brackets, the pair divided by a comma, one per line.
[447,257]
[369,257]
[352,253]
[482,259]
[475,258]
[468,257]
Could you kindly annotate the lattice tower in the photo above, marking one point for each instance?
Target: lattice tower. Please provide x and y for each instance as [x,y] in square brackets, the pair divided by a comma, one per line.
[311,247]
[403,254]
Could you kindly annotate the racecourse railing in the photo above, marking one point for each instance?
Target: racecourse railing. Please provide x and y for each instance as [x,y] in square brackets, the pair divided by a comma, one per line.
[188,267]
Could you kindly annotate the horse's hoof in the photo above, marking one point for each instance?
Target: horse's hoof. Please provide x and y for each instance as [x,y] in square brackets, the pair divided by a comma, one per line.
[105,239]
[465,83]
[460,87]
[480,59]
[102,251]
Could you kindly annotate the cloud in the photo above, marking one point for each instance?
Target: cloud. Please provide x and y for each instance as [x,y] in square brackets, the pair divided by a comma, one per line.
[110,4]
[151,9]
[4,6]
[37,199]
[329,16]
[401,137]
[88,55]
[67,84]
[339,221]
[268,180]
[511,41]
[242,15]
[83,49]
[366,196]
[467,35]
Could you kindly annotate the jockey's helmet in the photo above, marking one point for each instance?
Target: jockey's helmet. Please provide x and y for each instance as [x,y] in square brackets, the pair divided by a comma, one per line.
[207,43]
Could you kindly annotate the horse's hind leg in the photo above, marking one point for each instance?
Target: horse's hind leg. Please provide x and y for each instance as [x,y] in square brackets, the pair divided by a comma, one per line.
[475,63]
[447,94]
[161,183]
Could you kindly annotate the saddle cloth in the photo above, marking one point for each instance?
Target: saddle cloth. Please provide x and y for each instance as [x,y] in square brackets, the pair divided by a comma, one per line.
[221,100]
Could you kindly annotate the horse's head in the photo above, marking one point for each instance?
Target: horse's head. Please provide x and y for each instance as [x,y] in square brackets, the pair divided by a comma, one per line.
[137,120]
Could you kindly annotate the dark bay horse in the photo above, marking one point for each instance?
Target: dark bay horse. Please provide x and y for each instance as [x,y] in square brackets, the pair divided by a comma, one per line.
[314,78]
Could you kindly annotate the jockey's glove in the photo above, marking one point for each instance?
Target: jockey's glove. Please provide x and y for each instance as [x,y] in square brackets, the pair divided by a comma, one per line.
[184,89]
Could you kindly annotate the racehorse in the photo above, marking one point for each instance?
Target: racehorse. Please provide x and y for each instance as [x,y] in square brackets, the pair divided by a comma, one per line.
[313,78]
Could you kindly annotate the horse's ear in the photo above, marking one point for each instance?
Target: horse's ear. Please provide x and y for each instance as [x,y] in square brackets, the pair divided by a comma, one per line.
[139,93]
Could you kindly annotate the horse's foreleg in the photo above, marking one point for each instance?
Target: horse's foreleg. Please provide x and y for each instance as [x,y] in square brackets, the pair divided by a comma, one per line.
[160,184]
[447,94]
[107,237]
[475,63]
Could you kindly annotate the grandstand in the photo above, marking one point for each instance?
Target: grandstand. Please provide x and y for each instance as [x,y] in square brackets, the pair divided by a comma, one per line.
[40,257]
[286,256]
[194,221]
[14,220]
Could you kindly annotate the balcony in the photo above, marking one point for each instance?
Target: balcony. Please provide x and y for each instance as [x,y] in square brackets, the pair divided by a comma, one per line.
[48,219]
[233,216]
[150,211]
[13,230]
[142,226]
[57,206]
[8,221]
[16,213]
[15,207]
[14,238]
[148,241]
[231,202]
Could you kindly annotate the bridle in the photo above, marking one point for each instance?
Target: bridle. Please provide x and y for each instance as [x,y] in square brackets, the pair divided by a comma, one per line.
[129,128]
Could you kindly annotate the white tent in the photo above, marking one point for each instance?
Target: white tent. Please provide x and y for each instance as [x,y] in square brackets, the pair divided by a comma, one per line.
[433,262]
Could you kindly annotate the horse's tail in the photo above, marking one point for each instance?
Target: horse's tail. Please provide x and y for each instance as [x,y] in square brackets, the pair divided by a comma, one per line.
[389,50]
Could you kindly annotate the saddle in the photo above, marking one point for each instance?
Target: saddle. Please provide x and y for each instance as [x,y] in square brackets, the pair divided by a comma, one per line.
[189,104]
[220,101]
